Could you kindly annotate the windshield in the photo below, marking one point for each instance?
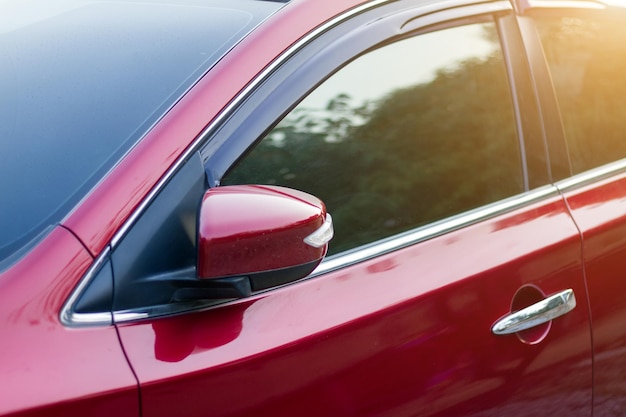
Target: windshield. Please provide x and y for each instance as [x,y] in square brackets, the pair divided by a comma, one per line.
[82,81]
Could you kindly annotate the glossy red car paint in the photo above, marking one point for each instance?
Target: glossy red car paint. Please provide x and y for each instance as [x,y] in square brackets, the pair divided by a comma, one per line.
[391,336]
[66,360]
[600,215]
[46,368]
[265,231]
[387,336]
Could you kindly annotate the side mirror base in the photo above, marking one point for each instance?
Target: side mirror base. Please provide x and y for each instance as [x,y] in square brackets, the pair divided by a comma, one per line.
[186,287]
[214,289]
[270,279]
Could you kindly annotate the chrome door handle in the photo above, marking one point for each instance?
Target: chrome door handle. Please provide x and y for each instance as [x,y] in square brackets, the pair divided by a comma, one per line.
[536,314]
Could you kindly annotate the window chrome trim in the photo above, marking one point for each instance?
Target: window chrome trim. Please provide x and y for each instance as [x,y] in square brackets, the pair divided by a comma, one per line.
[433,230]
[151,312]
[72,319]
[429,7]
[459,11]
[593,175]
[69,317]
[67,314]
[517,114]
[357,255]
[234,104]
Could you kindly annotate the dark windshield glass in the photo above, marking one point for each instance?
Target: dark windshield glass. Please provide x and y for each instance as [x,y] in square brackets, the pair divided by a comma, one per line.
[82,81]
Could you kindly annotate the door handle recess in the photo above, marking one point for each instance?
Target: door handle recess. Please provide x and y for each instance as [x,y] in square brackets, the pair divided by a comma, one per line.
[536,314]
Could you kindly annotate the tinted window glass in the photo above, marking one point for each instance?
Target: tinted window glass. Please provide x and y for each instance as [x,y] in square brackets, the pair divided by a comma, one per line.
[587,60]
[407,134]
[81,82]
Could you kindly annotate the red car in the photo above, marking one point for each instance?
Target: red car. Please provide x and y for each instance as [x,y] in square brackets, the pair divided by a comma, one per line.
[168,169]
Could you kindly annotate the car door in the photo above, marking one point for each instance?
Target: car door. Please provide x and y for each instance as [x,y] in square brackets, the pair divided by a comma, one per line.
[404,118]
[586,59]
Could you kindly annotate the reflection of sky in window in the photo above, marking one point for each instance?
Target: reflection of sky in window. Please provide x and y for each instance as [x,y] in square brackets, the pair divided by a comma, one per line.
[403,64]
[26,12]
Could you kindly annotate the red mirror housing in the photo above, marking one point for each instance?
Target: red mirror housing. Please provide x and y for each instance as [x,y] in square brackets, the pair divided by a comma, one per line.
[271,234]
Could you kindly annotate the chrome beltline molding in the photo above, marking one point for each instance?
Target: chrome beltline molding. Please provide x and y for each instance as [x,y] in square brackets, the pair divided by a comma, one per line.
[360,254]
[350,258]
[435,229]
[72,319]
[594,175]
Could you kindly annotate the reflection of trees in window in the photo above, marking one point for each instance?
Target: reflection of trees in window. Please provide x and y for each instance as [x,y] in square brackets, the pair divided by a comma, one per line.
[587,60]
[420,154]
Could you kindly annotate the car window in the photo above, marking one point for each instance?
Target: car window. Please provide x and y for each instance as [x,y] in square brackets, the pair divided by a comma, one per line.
[587,59]
[409,133]
[63,128]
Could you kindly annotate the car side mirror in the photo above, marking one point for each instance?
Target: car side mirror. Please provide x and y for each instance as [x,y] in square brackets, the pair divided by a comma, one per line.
[255,237]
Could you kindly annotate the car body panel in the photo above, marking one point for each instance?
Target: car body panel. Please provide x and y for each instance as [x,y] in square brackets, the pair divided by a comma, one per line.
[46,368]
[599,211]
[396,335]
[405,332]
